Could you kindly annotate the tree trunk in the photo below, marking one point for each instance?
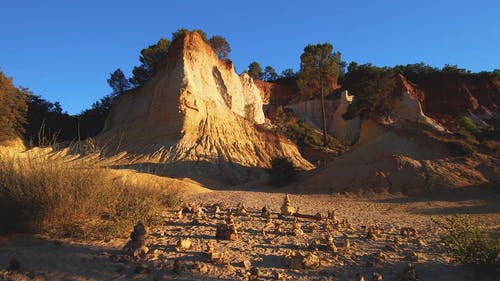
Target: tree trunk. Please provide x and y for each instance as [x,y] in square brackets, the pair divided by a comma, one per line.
[325,139]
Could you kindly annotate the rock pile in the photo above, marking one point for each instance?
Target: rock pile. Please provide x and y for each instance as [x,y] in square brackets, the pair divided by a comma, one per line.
[227,230]
[136,246]
[287,209]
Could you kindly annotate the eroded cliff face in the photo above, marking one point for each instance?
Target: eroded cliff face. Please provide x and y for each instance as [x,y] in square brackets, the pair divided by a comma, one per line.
[449,97]
[195,110]
[347,131]
[409,105]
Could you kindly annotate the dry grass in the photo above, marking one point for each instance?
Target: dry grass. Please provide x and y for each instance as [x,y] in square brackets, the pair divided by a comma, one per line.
[73,198]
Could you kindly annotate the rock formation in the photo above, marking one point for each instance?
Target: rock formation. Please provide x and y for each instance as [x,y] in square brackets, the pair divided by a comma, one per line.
[195,109]
[409,107]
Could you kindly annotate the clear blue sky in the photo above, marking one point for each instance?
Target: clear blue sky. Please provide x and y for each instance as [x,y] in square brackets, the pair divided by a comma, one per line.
[65,50]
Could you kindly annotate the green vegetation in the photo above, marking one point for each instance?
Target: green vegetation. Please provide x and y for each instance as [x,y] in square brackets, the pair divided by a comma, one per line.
[118,82]
[468,244]
[13,109]
[297,130]
[373,88]
[78,199]
[150,60]
[255,70]
[302,134]
[320,69]
[220,46]
[282,172]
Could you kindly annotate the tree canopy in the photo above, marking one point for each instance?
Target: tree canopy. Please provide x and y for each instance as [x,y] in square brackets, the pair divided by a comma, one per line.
[220,46]
[13,109]
[320,69]
[270,74]
[118,82]
[373,88]
[255,70]
[150,59]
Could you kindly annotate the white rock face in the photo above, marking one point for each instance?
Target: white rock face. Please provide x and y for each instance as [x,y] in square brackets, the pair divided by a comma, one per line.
[196,109]
[409,108]
[310,112]
[347,131]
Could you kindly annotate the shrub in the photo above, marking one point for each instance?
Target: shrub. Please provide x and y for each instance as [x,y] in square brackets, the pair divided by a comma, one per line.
[302,134]
[470,126]
[468,244]
[38,194]
[282,172]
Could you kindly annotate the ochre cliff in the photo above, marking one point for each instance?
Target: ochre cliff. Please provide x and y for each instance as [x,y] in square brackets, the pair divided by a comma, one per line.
[195,110]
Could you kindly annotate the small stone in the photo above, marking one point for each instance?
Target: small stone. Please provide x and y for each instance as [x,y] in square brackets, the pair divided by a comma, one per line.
[330,244]
[246,264]
[408,231]
[216,257]
[311,261]
[297,229]
[230,267]
[279,276]
[265,212]
[242,210]
[184,244]
[347,244]
[360,277]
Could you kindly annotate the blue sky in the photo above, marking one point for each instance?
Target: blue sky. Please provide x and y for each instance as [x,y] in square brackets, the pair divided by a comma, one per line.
[65,50]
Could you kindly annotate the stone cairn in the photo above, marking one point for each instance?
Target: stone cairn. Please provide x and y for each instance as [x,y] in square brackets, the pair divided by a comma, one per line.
[227,231]
[241,210]
[136,246]
[287,209]
[265,212]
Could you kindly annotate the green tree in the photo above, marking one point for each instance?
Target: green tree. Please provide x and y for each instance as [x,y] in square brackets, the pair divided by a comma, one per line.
[288,73]
[319,72]
[373,88]
[118,82]
[270,74]
[220,46]
[150,59]
[183,31]
[255,70]
[13,107]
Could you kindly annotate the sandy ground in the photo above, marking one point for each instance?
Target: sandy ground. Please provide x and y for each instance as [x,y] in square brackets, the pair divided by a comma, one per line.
[43,258]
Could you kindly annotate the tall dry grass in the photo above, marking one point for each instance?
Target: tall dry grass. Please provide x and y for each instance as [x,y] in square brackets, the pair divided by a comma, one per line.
[73,198]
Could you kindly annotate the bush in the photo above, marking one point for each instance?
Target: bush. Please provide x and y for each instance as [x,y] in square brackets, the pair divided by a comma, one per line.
[470,126]
[302,134]
[282,172]
[468,244]
[38,194]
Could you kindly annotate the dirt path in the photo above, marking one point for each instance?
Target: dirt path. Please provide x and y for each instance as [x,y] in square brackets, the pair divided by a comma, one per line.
[45,259]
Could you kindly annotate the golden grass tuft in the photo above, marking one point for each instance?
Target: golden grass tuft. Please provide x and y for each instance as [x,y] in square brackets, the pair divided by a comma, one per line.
[73,198]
